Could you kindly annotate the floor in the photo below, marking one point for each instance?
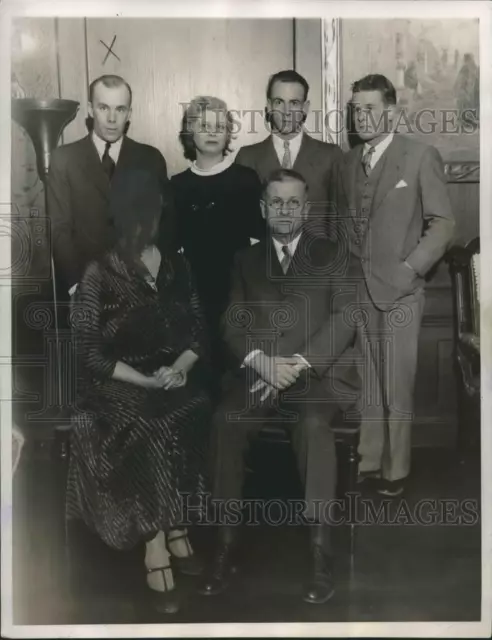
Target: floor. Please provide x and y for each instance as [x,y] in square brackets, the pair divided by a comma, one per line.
[400,571]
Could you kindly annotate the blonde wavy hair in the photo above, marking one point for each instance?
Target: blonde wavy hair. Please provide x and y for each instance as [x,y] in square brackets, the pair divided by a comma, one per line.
[196,109]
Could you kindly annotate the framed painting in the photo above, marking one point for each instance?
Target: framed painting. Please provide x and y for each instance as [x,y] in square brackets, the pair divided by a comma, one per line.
[435,68]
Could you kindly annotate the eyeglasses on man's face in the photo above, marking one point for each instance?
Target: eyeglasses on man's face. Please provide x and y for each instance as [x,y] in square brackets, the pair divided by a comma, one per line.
[278,204]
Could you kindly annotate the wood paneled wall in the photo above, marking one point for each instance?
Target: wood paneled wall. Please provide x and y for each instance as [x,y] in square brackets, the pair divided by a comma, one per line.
[167,62]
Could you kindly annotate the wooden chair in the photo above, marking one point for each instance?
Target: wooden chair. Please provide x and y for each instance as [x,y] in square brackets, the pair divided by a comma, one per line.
[464,266]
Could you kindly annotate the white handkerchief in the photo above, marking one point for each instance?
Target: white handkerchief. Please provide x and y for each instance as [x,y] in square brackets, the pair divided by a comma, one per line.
[253,241]
[401,184]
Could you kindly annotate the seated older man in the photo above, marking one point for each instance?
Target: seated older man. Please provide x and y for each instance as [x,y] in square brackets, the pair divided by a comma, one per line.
[286,326]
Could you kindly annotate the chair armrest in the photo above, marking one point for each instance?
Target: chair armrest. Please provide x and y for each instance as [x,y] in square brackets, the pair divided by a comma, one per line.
[471,342]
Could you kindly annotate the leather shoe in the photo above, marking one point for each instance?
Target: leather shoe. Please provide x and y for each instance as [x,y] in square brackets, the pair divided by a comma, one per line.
[187,565]
[390,488]
[217,578]
[320,586]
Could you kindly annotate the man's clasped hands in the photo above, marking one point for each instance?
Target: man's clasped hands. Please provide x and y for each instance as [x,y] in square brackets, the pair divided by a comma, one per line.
[277,373]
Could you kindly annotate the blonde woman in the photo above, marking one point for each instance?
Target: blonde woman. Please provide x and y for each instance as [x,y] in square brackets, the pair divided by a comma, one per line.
[217,205]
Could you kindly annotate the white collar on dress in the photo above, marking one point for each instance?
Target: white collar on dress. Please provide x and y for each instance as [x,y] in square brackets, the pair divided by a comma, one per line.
[221,166]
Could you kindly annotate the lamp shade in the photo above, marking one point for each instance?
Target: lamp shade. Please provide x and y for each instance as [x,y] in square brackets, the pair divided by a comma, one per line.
[44,121]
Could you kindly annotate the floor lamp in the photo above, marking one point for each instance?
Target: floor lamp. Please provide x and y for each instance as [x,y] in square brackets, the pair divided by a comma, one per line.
[44,121]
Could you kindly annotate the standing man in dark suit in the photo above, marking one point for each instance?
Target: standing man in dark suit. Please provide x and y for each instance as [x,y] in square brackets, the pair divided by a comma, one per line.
[79,182]
[398,222]
[290,147]
[286,329]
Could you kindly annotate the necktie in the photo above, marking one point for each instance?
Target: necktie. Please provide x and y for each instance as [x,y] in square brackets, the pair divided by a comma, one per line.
[107,161]
[286,161]
[285,264]
[366,161]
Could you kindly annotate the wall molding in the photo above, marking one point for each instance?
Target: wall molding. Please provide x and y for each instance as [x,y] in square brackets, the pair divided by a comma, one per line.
[331,81]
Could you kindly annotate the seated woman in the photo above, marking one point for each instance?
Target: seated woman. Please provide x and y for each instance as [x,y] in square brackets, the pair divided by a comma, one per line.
[217,207]
[141,423]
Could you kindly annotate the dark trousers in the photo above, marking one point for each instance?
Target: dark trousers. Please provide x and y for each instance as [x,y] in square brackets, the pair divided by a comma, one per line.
[308,409]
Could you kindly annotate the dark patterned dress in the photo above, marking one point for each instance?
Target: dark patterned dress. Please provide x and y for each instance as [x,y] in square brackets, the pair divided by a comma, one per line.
[136,451]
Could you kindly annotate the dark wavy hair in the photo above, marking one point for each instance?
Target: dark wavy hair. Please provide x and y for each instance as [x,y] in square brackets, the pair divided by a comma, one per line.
[376,82]
[195,110]
[135,209]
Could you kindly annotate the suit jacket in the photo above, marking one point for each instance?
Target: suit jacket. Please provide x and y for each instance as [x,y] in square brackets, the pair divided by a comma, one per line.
[78,193]
[316,162]
[303,311]
[410,220]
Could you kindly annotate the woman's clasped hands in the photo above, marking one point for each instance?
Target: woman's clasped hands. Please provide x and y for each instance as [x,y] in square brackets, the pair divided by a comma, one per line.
[168,378]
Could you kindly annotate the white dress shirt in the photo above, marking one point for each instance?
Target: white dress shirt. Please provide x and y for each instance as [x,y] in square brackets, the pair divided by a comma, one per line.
[294,146]
[292,246]
[114,149]
[379,148]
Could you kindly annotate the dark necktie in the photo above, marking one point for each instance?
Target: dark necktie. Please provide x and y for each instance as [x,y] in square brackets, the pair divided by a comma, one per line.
[366,161]
[285,264]
[107,161]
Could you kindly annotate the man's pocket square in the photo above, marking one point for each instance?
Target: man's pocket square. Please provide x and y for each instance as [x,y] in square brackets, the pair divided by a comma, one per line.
[253,241]
[401,184]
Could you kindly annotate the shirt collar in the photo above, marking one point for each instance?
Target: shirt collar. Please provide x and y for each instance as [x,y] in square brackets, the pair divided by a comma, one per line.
[292,246]
[380,147]
[294,143]
[101,145]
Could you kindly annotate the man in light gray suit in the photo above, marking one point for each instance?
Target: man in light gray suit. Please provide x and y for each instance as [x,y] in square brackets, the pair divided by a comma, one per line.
[398,221]
[290,147]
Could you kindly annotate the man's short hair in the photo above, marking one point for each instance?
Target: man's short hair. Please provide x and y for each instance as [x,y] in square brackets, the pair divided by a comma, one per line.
[109,80]
[288,75]
[376,82]
[283,175]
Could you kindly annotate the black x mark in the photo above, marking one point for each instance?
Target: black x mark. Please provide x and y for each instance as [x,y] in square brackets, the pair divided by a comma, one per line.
[110,49]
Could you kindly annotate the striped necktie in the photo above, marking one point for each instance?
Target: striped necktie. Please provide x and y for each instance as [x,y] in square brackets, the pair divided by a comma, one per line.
[366,161]
[285,264]
[286,161]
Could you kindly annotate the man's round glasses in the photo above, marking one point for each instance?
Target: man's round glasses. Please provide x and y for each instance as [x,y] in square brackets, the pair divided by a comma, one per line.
[292,204]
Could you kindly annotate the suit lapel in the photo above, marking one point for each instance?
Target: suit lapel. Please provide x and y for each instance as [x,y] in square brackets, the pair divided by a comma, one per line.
[92,167]
[268,160]
[305,158]
[125,156]
[349,178]
[394,161]
[267,269]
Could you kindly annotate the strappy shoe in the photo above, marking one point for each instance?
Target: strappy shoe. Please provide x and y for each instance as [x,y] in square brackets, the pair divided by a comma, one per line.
[189,565]
[166,601]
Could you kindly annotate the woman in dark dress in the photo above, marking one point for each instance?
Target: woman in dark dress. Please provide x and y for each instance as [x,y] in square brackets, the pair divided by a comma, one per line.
[140,428]
[217,206]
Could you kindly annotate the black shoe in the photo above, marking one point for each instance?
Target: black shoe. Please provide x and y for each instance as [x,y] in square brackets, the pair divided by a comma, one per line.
[390,489]
[217,579]
[189,565]
[320,586]
[165,601]
[362,476]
